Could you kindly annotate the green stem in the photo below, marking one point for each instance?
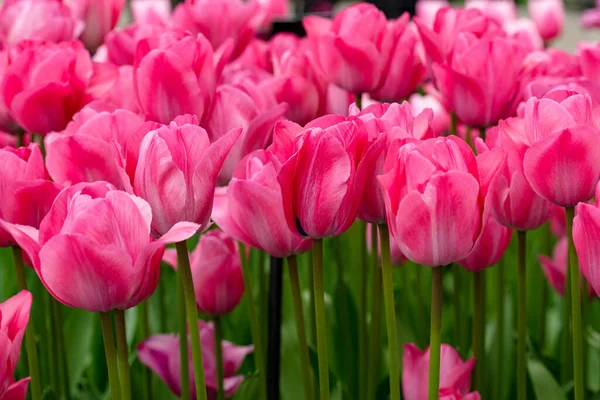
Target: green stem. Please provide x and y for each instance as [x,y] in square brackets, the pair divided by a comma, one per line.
[500,282]
[162,307]
[111,355]
[20,138]
[479,330]
[123,354]
[311,305]
[390,312]
[575,309]
[376,289]
[254,322]
[458,310]
[62,353]
[452,129]
[362,309]
[320,323]
[420,304]
[32,356]
[219,357]
[300,328]
[521,316]
[435,340]
[54,349]
[358,101]
[263,297]
[183,342]
[482,132]
[192,318]
[145,327]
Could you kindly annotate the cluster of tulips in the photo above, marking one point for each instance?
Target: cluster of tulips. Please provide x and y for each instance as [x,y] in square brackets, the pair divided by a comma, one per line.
[434,138]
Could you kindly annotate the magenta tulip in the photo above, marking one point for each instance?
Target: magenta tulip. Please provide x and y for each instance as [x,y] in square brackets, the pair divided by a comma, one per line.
[93,249]
[14,316]
[121,44]
[100,17]
[160,353]
[177,172]
[548,15]
[586,227]
[250,209]
[37,19]
[122,94]
[323,180]
[455,374]
[563,140]
[433,200]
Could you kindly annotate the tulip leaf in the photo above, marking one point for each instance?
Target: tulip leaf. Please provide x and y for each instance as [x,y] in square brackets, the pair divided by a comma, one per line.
[79,333]
[544,384]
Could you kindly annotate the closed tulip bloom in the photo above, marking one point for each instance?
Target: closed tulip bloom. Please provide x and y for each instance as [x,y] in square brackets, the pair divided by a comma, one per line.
[174,74]
[441,116]
[586,228]
[100,17]
[500,11]
[216,272]
[45,84]
[94,147]
[353,48]
[120,44]
[122,94]
[563,140]
[432,200]
[49,20]
[14,316]
[93,250]
[426,10]
[323,180]
[455,374]
[160,353]
[151,11]
[549,17]
[250,208]
[177,172]
[524,30]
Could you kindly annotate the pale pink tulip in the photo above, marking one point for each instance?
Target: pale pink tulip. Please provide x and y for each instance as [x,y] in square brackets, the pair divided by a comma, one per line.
[455,374]
[323,180]
[524,30]
[14,316]
[122,94]
[441,116]
[93,249]
[160,353]
[427,10]
[549,17]
[100,17]
[270,11]
[500,11]
[433,200]
[151,11]
[177,171]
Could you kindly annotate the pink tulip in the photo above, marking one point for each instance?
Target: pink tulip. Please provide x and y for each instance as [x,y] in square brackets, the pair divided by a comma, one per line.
[28,192]
[455,374]
[549,17]
[160,353]
[216,272]
[427,10]
[323,180]
[93,250]
[396,256]
[250,209]
[441,116]
[174,74]
[390,121]
[590,18]
[589,58]
[14,316]
[563,140]
[558,222]
[407,68]
[177,171]
[37,19]
[7,123]
[433,200]
[500,11]
[254,110]
[353,50]
[122,94]
[100,17]
[45,84]
[270,11]
[586,227]
[121,44]
[94,147]
[219,21]
[524,30]
[151,11]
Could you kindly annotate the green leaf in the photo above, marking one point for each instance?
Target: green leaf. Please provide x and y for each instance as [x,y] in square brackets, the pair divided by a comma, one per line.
[79,333]
[544,384]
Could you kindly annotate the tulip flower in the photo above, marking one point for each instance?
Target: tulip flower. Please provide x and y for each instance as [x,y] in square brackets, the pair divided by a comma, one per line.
[354,48]
[14,316]
[427,10]
[441,117]
[590,18]
[120,45]
[93,249]
[500,11]
[396,256]
[455,374]
[177,171]
[586,226]
[100,17]
[160,353]
[45,84]
[549,17]
[37,19]
[250,209]
[216,272]
[151,11]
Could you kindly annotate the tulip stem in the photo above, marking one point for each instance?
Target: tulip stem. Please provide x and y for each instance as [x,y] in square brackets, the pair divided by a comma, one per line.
[32,356]
[263,288]
[435,340]
[219,357]
[390,312]
[254,321]
[376,288]
[358,101]
[145,326]
[458,310]
[320,323]
[192,318]
[123,354]
[183,342]
[362,309]
[62,346]
[274,325]
[575,308]
[163,307]
[111,355]
[52,346]
[300,326]
[499,388]
[479,330]
[521,315]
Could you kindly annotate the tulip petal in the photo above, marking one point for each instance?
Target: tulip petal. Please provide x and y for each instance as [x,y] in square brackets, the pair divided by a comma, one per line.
[156,353]
[586,231]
